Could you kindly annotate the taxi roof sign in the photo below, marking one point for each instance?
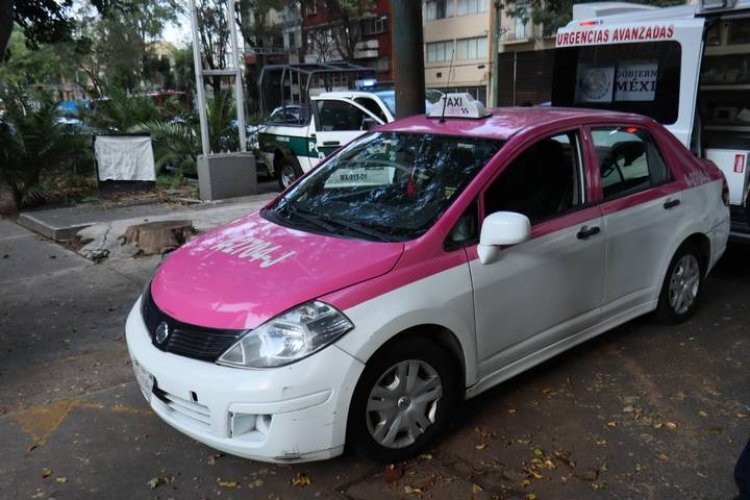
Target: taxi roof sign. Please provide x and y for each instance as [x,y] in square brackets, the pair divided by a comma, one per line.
[459,105]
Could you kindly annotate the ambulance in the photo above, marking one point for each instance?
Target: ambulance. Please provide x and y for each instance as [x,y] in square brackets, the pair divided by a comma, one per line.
[688,67]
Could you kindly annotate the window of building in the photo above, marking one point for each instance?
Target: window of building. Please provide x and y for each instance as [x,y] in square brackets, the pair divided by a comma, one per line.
[383,64]
[469,7]
[311,8]
[471,48]
[375,26]
[438,9]
[478,93]
[439,51]
[629,160]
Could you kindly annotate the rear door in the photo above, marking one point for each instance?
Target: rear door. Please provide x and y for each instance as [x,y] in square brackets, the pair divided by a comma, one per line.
[642,207]
[338,121]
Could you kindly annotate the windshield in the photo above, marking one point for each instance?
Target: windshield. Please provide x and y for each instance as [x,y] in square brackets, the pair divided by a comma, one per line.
[389,98]
[385,186]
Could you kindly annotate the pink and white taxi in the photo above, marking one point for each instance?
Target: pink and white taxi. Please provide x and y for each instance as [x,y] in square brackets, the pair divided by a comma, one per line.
[420,265]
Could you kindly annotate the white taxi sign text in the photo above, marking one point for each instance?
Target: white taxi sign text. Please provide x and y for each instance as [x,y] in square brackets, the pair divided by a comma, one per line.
[460,105]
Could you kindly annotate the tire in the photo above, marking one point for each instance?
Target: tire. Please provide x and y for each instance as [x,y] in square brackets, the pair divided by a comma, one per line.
[388,420]
[683,283]
[288,171]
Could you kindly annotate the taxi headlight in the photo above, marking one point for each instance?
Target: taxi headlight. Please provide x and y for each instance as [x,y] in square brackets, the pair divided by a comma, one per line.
[288,338]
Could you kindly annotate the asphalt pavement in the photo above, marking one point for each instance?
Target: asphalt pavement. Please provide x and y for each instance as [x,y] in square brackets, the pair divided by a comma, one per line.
[644,411]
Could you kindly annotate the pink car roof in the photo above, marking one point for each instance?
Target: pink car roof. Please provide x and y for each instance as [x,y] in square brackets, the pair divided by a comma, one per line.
[504,122]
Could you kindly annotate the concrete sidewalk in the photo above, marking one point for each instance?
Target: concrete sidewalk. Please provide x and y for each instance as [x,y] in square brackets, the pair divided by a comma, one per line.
[101,226]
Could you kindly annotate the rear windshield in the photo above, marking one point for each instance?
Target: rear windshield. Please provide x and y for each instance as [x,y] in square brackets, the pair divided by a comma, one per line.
[632,77]
[385,186]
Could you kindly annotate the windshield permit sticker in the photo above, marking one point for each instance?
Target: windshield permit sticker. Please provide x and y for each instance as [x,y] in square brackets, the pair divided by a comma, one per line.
[252,249]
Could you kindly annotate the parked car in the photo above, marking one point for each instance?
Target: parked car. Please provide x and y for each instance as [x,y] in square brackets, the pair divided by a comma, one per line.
[295,138]
[420,265]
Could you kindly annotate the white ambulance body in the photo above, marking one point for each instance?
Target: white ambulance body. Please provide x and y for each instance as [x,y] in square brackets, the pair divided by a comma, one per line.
[687,66]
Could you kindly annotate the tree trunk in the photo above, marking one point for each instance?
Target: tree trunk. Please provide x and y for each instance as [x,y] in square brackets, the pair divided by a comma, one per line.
[159,237]
[8,201]
[6,24]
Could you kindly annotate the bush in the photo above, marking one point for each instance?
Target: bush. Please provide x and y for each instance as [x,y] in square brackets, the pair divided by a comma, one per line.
[34,143]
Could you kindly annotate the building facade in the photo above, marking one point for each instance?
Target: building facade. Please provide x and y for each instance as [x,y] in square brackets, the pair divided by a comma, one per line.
[369,33]
[458,39]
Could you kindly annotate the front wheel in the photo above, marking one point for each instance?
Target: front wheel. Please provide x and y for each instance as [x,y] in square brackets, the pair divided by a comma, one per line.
[682,286]
[403,400]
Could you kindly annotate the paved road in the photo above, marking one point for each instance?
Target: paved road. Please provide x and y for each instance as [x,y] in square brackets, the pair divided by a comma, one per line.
[644,411]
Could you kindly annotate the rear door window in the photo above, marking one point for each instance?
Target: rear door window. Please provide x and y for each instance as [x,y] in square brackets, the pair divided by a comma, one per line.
[629,160]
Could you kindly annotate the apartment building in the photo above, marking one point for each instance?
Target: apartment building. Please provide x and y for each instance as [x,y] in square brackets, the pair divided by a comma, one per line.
[371,30]
[526,57]
[461,31]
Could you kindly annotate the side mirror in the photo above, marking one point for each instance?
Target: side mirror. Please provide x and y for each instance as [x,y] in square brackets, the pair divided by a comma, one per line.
[368,123]
[501,228]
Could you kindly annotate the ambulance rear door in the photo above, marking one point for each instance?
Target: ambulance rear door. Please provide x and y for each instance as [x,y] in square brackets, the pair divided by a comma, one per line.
[650,67]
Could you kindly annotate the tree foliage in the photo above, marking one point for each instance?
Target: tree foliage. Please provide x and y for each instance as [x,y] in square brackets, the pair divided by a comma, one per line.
[553,14]
[33,141]
[42,21]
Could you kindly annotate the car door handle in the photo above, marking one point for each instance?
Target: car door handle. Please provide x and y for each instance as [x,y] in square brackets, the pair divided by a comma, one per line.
[587,231]
[671,204]
[331,143]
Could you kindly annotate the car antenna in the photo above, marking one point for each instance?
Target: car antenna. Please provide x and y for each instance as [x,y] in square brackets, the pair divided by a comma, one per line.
[447,87]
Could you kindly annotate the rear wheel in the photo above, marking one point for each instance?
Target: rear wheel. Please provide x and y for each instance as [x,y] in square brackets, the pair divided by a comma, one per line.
[403,400]
[682,285]
[288,172]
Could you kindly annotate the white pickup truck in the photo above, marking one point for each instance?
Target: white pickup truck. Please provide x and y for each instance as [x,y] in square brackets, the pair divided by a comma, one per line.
[294,138]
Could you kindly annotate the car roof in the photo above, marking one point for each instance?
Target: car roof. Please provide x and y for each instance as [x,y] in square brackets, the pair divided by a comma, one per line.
[502,123]
[346,93]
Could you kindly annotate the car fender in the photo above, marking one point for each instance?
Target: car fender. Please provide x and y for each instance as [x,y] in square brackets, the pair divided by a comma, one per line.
[443,301]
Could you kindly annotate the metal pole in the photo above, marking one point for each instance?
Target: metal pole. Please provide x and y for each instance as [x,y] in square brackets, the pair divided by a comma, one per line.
[238,90]
[494,81]
[408,57]
[198,65]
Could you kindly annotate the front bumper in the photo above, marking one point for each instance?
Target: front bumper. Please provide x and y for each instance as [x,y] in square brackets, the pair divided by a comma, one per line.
[294,413]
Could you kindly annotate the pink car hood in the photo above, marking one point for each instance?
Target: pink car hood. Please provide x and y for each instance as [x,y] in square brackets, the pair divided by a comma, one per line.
[247,272]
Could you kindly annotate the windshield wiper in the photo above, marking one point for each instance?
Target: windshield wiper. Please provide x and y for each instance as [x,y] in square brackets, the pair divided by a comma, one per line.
[333,225]
[308,216]
[358,228]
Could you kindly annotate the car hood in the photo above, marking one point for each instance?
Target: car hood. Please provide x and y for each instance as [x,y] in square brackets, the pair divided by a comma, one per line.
[243,274]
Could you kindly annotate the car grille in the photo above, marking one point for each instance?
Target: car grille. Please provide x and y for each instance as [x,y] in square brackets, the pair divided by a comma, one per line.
[191,341]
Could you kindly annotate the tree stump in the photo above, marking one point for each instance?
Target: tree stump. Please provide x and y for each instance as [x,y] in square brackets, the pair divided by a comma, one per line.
[159,237]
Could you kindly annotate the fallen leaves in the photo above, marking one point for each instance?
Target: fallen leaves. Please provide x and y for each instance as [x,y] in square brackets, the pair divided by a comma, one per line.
[662,457]
[702,413]
[480,446]
[411,490]
[211,460]
[227,483]
[159,480]
[61,479]
[46,472]
[475,488]
[301,479]
[393,472]
[255,484]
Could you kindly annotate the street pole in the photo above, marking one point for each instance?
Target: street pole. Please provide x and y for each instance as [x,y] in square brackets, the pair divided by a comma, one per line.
[198,64]
[494,80]
[239,62]
[408,57]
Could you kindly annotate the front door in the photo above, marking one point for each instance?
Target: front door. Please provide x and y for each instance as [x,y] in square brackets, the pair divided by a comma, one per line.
[338,121]
[543,290]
